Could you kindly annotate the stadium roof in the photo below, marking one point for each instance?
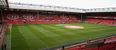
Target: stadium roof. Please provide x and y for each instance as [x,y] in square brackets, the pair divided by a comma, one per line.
[3,3]
[65,5]
[72,3]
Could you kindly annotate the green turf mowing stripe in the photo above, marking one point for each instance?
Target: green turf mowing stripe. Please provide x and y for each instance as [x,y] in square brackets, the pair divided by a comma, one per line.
[59,38]
[37,37]
[50,36]
[65,35]
[42,34]
[18,42]
[95,31]
[32,40]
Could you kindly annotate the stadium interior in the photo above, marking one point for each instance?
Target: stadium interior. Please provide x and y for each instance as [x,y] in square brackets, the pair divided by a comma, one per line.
[16,18]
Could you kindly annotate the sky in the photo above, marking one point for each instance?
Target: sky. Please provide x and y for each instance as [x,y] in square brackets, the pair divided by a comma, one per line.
[86,4]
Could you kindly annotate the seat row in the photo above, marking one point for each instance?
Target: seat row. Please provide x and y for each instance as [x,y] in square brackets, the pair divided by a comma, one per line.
[102,21]
[40,19]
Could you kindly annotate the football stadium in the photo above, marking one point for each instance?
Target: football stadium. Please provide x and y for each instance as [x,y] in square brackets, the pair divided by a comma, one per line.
[57,25]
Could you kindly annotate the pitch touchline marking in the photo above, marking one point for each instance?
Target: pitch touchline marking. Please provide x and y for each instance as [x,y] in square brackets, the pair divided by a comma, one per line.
[10,26]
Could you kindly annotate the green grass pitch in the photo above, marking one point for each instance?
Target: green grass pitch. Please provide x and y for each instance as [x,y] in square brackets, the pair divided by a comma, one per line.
[38,37]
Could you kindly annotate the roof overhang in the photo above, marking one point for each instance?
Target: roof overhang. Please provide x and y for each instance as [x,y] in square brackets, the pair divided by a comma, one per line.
[3,3]
[44,7]
[16,5]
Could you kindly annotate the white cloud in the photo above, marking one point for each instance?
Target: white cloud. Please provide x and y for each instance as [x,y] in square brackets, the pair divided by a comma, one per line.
[72,3]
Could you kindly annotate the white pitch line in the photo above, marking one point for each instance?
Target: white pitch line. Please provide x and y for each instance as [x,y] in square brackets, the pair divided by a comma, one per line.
[10,26]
